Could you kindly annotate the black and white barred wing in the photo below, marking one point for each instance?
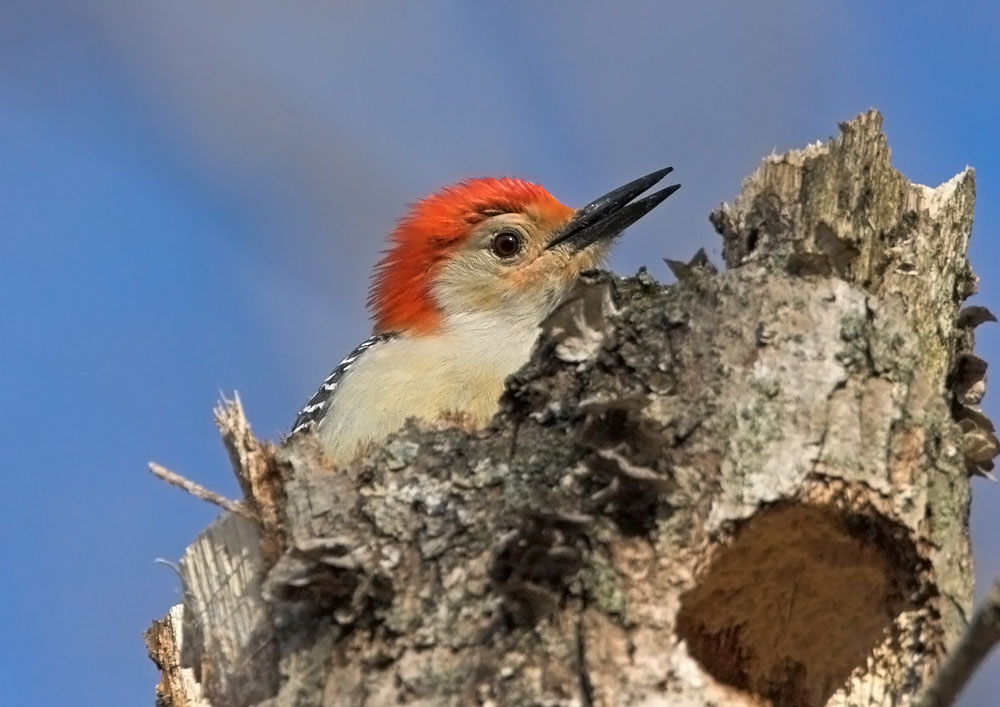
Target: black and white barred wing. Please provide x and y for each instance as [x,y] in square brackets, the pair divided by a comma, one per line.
[316,408]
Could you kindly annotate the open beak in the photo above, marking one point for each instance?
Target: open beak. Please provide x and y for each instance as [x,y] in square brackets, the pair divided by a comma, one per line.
[609,215]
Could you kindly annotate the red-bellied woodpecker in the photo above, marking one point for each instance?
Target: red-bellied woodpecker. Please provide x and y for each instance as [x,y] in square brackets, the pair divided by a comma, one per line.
[457,300]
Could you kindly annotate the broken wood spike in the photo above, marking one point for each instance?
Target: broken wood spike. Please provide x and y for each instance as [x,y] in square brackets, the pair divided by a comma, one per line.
[979,447]
[699,264]
[256,469]
[200,492]
[972,316]
[974,415]
[969,381]
[700,260]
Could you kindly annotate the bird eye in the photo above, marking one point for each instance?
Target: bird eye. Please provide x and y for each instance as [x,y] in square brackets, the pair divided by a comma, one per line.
[506,244]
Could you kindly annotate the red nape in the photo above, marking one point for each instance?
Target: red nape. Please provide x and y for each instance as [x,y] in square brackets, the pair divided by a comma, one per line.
[400,297]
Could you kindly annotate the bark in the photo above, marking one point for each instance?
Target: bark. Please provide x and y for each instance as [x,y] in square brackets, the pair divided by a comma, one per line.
[748,487]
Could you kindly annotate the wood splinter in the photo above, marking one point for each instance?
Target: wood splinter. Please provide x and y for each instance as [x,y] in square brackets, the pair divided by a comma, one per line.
[199,491]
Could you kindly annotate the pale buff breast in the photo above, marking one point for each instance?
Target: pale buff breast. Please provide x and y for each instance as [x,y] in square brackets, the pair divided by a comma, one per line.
[461,370]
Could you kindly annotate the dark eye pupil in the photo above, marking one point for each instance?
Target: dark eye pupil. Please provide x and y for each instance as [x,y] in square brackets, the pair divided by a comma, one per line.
[506,244]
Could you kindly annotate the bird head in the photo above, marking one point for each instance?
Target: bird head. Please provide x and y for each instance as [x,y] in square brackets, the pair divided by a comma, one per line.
[502,247]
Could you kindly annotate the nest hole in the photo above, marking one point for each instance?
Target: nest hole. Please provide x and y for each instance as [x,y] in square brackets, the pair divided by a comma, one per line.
[797,602]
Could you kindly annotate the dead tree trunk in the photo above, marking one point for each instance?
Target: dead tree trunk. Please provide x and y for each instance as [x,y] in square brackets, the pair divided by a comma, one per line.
[747,486]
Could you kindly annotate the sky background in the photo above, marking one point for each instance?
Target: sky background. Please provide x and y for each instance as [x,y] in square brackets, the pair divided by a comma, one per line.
[192,195]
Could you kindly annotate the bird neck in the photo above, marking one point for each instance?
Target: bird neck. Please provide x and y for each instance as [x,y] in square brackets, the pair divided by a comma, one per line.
[484,341]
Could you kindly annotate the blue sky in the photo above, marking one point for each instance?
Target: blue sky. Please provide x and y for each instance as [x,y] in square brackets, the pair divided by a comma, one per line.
[193,194]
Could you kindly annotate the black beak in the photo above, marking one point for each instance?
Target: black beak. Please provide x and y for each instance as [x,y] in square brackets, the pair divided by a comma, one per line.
[612,213]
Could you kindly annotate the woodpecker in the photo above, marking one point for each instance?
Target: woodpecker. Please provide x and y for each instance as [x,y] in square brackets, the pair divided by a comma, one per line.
[471,272]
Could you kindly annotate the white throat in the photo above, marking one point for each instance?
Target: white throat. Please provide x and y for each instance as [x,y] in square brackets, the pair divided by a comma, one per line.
[498,343]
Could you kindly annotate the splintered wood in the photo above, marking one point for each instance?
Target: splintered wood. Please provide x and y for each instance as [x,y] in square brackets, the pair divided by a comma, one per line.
[255,469]
[178,685]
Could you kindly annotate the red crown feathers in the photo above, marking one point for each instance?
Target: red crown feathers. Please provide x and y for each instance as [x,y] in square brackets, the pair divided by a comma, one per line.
[400,297]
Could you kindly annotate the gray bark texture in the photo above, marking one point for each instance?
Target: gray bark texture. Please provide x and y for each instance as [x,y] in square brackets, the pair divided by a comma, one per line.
[746,488]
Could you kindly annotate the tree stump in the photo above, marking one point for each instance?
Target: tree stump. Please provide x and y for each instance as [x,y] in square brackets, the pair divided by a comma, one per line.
[746,488]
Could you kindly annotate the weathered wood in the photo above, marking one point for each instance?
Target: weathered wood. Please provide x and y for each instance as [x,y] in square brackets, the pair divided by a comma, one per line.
[253,464]
[200,492]
[165,641]
[227,624]
[747,486]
